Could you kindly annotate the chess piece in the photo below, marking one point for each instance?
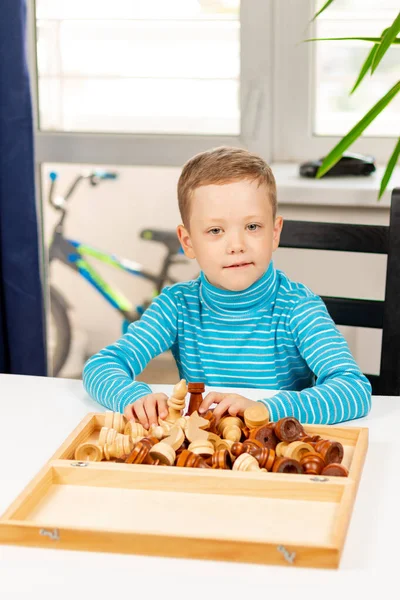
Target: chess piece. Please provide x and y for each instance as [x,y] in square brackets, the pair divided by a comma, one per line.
[264,456]
[134,429]
[214,439]
[203,448]
[335,470]
[175,438]
[89,452]
[312,463]
[331,452]
[176,403]
[156,431]
[165,426]
[119,447]
[189,459]
[164,453]
[296,450]
[221,459]
[196,390]
[195,428]
[141,452]
[288,429]
[106,436]
[230,428]
[246,462]
[280,449]
[264,434]
[256,415]
[287,465]
[108,419]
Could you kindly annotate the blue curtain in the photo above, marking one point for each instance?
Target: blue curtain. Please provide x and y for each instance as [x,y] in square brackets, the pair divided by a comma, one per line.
[22,338]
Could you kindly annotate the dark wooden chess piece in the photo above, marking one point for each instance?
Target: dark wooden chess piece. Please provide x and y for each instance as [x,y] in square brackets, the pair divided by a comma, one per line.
[288,429]
[196,390]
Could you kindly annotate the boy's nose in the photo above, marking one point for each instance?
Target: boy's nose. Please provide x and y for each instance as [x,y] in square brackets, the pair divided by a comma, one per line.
[235,245]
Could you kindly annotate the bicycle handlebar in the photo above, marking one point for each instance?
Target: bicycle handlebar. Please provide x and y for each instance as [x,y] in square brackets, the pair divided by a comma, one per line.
[94,177]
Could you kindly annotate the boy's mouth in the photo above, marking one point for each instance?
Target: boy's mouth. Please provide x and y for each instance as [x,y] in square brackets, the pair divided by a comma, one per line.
[240,265]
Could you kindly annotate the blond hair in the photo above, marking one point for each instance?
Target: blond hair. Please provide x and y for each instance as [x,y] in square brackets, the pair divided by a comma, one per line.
[222,165]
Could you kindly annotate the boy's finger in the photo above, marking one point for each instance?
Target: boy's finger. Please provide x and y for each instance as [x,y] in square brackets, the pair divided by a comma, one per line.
[141,414]
[162,407]
[221,408]
[151,412]
[211,398]
[234,409]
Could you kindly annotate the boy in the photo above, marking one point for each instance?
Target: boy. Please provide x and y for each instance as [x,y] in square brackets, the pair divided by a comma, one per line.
[241,323]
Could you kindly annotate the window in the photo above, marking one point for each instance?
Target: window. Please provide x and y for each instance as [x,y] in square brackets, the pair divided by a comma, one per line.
[312,106]
[337,65]
[135,66]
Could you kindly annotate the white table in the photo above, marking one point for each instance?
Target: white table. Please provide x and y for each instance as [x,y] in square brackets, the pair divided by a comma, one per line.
[37,414]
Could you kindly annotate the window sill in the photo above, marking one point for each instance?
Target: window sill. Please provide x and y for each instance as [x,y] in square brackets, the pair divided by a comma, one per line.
[343,191]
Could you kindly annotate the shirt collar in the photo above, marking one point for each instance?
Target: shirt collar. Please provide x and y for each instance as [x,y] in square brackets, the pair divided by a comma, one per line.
[239,303]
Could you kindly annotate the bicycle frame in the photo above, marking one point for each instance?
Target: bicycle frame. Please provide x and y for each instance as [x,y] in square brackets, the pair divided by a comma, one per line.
[73,254]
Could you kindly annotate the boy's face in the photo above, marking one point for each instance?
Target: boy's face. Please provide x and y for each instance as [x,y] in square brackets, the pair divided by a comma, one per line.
[232,233]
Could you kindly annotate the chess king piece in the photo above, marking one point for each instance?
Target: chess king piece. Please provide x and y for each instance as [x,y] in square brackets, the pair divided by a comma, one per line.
[196,390]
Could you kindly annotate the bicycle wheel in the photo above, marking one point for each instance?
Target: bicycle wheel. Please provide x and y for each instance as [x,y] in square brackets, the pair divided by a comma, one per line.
[59,331]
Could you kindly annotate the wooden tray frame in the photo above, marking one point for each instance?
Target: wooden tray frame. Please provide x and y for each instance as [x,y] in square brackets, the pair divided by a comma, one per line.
[17,528]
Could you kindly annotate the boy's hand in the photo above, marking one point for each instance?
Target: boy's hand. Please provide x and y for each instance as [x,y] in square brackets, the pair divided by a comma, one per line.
[231,403]
[146,410]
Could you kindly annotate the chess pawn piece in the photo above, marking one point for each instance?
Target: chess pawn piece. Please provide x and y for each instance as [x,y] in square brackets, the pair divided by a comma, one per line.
[287,465]
[141,452]
[256,415]
[89,452]
[296,450]
[196,390]
[189,459]
[117,448]
[203,448]
[230,428]
[312,463]
[106,436]
[266,435]
[221,459]
[164,453]
[288,429]
[134,429]
[176,403]
[264,456]
[335,470]
[246,462]
[331,452]
[280,449]
[156,431]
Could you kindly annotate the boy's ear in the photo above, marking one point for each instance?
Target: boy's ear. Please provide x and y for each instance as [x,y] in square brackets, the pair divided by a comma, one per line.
[186,242]
[277,233]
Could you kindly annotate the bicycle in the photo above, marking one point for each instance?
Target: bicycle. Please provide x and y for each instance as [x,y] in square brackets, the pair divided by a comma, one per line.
[73,254]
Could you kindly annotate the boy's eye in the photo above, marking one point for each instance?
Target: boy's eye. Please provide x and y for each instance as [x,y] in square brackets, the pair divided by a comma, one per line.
[253,227]
[215,230]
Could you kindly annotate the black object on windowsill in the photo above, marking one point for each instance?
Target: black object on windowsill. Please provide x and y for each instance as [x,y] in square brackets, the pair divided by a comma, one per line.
[349,164]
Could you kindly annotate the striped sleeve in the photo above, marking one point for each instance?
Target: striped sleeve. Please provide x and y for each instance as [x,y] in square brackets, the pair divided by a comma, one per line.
[341,391]
[109,375]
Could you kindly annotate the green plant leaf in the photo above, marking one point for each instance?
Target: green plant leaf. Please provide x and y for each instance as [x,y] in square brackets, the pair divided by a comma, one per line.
[387,39]
[322,9]
[357,130]
[389,169]
[376,40]
[365,68]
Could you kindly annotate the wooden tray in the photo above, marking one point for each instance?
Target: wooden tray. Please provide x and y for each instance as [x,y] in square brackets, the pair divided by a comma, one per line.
[269,518]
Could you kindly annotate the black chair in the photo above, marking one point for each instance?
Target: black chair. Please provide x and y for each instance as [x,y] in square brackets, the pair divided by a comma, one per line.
[378,314]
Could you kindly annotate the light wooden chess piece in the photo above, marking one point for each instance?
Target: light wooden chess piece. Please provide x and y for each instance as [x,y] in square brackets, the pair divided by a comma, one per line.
[107,436]
[256,415]
[246,462]
[135,430]
[195,428]
[119,447]
[164,453]
[176,403]
[115,420]
[175,438]
[230,428]
[89,452]
[203,448]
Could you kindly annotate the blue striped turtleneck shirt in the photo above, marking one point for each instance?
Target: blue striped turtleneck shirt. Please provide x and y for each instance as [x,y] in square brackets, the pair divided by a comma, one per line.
[275,335]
